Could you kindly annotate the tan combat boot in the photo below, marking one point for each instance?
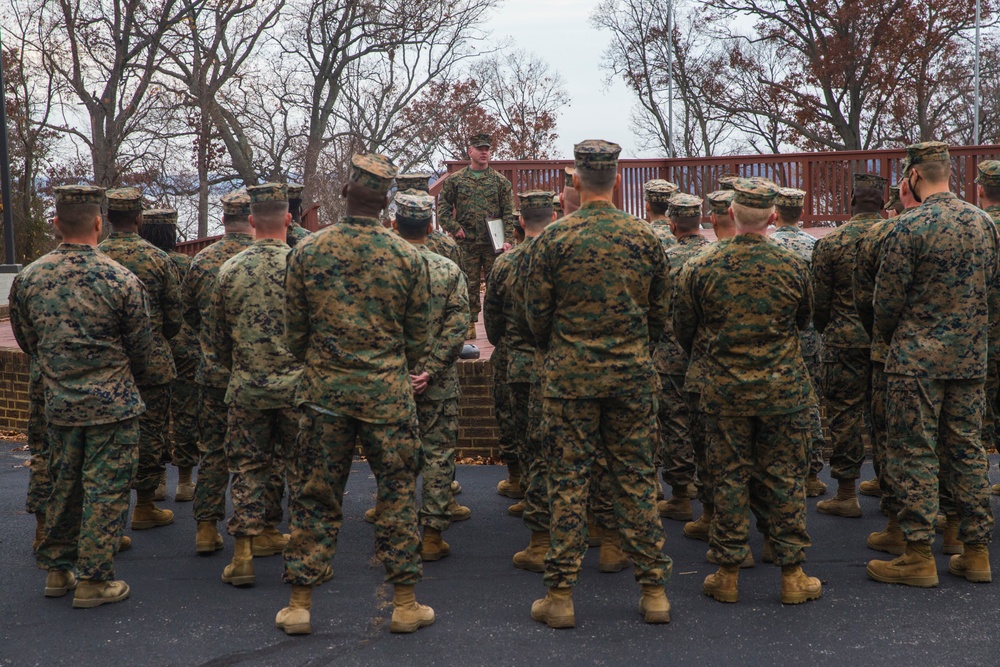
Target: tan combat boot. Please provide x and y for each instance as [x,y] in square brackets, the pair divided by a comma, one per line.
[914,568]
[940,523]
[517,509]
[371,514]
[870,487]
[407,614]
[654,605]
[995,489]
[58,583]
[768,555]
[595,534]
[433,547]
[294,619]
[91,593]
[185,487]
[698,530]
[207,539]
[240,571]
[511,487]
[147,515]
[845,503]
[532,558]
[456,488]
[471,333]
[555,609]
[890,540]
[747,563]
[161,488]
[458,512]
[124,544]
[814,486]
[950,544]
[724,584]
[796,587]
[678,507]
[973,564]
[612,559]
[659,492]
[270,542]
[39,530]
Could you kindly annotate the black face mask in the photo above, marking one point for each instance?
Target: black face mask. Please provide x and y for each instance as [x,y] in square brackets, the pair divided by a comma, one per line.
[913,191]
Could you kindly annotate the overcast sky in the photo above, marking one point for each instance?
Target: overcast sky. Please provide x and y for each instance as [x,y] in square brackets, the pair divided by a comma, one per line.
[559,31]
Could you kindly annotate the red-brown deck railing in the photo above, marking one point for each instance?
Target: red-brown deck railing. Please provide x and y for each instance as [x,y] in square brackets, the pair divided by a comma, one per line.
[825,177]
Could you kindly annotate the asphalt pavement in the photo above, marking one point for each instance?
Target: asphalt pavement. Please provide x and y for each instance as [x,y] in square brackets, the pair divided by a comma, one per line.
[180,613]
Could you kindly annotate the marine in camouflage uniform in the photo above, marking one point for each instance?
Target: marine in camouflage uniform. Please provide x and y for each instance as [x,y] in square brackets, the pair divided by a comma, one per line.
[357,316]
[932,305]
[163,285]
[656,209]
[212,377]
[846,353]
[85,321]
[747,301]
[676,451]
[249,323]
[39,477]
[435,378]
[989,198]
[787,234]
[469,198]
[160,228]
[598,379]
[438,241]
[296,232]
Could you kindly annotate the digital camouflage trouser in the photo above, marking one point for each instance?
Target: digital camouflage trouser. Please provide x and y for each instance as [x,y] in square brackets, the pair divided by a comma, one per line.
[39,479]
[772,449]
[257,446]
[213,468]
[577,432]
[526,406]
[934,426]
[696,430]
[676,454]
[438,441]
[847,395]
[816,439]
[477,261]
[317,474]
[507,434]
[184,416]
[92,471]
[154,424]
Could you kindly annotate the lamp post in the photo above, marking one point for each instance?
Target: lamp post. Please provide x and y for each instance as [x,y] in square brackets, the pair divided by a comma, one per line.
[8,265]
[975,120]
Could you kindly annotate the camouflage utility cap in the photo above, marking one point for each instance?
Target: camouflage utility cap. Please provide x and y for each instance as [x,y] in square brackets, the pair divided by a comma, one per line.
[721,200]
[124,199]
[556,203]
[266,192]
[683,205]
[659,191]
[989,173]
[893,197]
[295,191]
[790,197]
[160,216]
[236,202]
[569,171]
[755,192]
[419,182]
[79,194]
[728,182]
[596,154]
[373,171]
[411,204]
[481,139]
[927,151]
[535,199]
[873,181]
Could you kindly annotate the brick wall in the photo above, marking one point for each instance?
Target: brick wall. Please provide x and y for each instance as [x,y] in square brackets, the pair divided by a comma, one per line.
[13,389]
[477,425]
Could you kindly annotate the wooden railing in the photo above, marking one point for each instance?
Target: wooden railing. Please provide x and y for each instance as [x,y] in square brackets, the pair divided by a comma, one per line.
[310,220]
[825,177]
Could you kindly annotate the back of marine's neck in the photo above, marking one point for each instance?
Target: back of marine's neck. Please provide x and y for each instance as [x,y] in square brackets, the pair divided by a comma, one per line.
[588,197]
